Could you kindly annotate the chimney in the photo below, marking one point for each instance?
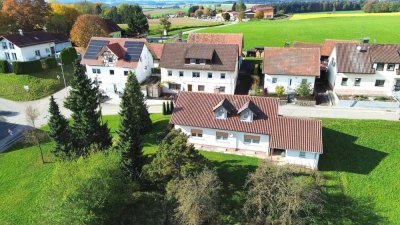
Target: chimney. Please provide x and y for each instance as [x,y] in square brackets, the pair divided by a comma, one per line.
[21,32]
[365,40]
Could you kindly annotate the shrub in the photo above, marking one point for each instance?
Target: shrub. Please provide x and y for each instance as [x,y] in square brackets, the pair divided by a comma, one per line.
[68,55]
[259,15]
[226,16]
[382,98]
[27,67]
[304,90]
[256,69]
[279,90]
[49,63]
[4,66]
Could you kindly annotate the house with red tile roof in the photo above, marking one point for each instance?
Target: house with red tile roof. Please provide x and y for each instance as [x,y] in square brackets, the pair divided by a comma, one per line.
[109,60]
[247,125]
[156,50]
[289,67]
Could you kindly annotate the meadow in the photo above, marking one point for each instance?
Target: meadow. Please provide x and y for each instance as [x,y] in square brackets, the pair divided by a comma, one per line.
[274,33]
[360,171]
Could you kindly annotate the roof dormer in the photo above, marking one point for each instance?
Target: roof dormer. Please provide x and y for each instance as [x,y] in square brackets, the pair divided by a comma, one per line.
[223,109]
[248,112]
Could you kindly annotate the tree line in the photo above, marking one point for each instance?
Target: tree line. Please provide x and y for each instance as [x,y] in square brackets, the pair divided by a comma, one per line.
[316,6]
[375,6]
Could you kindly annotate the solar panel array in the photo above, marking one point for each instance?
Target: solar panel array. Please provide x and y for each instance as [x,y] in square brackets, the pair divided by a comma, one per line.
[134,50]
[94,48]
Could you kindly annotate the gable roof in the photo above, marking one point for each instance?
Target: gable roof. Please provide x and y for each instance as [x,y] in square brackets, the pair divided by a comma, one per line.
[117,46]
[306,45]
[199,53]
[224,56]
[156,49]
[292,61]
[288,133]
[217,39]
[112,26]
[329,45]
[34,38]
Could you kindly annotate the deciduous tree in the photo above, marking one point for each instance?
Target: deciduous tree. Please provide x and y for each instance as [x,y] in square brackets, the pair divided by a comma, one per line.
[165,23]
[33,135]
[137,21]
[259,14]
[62,18]
[87,26]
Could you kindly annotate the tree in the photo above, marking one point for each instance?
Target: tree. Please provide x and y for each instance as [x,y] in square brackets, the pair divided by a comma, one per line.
[165,23]
[192,9]
[197,197]
[59,131]
[304,89]
[113,14]
[276,195]
[206,12]
[172,107]
[234,6]
[33,135]
[168,104]
[174,160]
[84,101]
[226,16]
[198,13]
[98,9]
[27,14]
[6,24]
[279,90]
[134,122]
[259,14]
[62,18]
[87,26]
[164,108]
[137,22]
[240,6]
[68,55]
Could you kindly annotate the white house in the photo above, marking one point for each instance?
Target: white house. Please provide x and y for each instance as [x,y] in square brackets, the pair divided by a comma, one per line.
[289,67]
[199,67]
[109,60]
[28,46]
[247,125]
[365,69]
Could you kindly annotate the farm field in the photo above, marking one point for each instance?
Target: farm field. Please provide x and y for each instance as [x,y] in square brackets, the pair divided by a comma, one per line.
[274,33]
[302,16]
[360,172]
[160,12]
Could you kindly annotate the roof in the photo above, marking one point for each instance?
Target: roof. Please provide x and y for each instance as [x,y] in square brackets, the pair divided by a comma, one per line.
[156,49]
[292,61]
[112,26]
[194,52]
[217,39]
[262,8]
[34,38]
[307,45]
[285,132]
[115,45]
[329,45]
[359,58]
[224,56]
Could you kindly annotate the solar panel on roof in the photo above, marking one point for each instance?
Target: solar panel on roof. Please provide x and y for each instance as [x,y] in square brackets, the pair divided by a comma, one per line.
[94,48]
[134,50]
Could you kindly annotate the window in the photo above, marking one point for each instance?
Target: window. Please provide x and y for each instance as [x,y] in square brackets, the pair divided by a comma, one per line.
[145,67]
[111,72]
[4,45]
[200,88]
[169,73]
[344,81]
[246,116]
[357,82]
[220,113]
[379,83]
[195,74]
[202,61]
[96,71]
[37,53]
[196,133]
[192,61]
[302,154]
[7,55]
[379,66]
[251,139]
[209,75]
[390,67]
[47,50]
[176,87]
[222,136]
[221,89]
[11,45]
[125,73]
[14,56]
[181,73]
[304,81]
[110,59]
[274,80]
[222,75]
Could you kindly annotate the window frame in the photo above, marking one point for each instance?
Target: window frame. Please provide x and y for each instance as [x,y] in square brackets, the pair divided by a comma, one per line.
[192,61]
[221,89]
[249,139]
[14,56]
[196,133]
[344,81]
[197,74]
[391,64]
[169,72]
[174,86]
[302,154]
[112,72]
[221,136]
[202,62]
[274,80]
[181,74]
[7,55]
[379,81]
[209,75]
[223,75]
[126,72]
[203,87]
[378,65]
[37,53]
[11,45]
[357,83]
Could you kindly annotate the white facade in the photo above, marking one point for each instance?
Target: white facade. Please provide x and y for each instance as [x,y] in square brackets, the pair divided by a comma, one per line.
[363,84]
[60,46]
[289,82]
[11,52]
[112,79]
[306,159]
[220,81]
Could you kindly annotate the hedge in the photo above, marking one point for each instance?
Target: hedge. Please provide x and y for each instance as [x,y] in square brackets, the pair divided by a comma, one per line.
[27,67]
[4,66]
[68,55]
[49,63]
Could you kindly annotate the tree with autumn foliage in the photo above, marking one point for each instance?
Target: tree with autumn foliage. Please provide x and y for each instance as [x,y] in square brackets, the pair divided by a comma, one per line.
[87,26]
[26,14]
[62,18]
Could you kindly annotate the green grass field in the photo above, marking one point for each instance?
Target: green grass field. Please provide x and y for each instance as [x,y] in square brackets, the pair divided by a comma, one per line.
[40,84]
[383,29]
[360,169]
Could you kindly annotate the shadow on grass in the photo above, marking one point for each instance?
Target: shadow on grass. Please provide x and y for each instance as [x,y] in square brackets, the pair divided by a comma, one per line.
[158,131]
[341,153]
[245,81]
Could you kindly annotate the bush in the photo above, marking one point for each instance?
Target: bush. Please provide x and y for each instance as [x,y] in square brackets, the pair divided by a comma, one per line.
[49,63]
[304,90]
[4,66]
[279,90]
[68,55]
[27,67]
[259,15]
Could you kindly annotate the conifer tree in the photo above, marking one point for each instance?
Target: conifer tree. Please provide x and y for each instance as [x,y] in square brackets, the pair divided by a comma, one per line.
[164,109]
[84,100]
[59,131]
[172,107]
[168,108]
[132,110]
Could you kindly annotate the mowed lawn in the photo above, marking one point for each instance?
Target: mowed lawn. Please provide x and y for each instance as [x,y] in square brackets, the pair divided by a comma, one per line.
[360,167]
[383,29]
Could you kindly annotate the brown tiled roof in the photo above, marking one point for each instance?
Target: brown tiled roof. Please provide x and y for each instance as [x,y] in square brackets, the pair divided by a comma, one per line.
[199,53]
[292,61]
[217,39]
[224,58]
[196,109]
[156,49]
[34,38]
[116,49]
[385,53]
[329,45]
[307,45]
[112,26]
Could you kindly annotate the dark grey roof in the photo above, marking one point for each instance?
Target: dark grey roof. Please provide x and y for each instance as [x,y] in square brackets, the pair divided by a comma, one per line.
[35,38]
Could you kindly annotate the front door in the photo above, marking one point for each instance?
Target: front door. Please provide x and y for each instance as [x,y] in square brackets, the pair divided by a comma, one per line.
[189,87]
[397,85]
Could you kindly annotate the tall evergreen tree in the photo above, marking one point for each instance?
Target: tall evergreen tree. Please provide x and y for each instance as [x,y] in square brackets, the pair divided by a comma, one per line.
[84,101]
[134,117]
[172,107]
[59,131]
[164,108]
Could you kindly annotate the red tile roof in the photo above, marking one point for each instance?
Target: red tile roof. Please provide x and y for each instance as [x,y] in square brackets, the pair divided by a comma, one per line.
[217,39]
[156,50]
[196,109]
[292,61]
[329,45]
[307,45]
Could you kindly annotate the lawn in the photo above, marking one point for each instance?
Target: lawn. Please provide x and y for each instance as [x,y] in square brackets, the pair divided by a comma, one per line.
[383,29]
[40,84]
[360,171]
[302,16]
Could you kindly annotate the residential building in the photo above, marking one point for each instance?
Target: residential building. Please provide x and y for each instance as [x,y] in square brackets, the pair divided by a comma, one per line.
[365,69]
[199,67]
[268,11]
[289,67]
[28,46]
[247,125]
[156,50]
[109,60]
[114,30]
